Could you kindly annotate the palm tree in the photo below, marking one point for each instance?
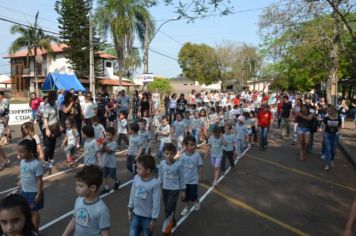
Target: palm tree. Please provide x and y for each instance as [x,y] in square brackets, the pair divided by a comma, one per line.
[33,38]
[125,19]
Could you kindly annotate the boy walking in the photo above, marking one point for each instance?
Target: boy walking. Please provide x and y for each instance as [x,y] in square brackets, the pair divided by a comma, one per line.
[90,215]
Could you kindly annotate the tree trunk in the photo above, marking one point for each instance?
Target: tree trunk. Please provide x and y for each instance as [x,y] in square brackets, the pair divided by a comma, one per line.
[331,83]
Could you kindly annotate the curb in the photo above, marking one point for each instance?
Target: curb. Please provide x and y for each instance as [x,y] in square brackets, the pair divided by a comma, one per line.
[348,152]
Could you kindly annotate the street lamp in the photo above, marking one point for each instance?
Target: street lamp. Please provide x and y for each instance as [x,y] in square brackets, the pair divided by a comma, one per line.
[148,42]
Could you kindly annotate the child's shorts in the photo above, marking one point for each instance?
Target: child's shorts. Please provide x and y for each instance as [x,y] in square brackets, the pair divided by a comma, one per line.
[30,197]
[216,161]
[191,193]
[109,172]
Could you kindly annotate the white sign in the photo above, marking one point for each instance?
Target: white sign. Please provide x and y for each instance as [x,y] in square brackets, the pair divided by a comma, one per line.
[147,78]
[19,113]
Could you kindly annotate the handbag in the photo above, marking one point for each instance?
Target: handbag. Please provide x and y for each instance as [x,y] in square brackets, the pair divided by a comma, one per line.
[55,130]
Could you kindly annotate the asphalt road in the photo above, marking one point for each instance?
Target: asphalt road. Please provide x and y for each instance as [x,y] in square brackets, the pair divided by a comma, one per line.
[268,193]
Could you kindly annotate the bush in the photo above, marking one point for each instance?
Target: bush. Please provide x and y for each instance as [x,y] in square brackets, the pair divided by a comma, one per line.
[162,85]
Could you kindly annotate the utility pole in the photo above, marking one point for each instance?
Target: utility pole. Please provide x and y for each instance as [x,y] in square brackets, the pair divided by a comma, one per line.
[145,54]
[91,57]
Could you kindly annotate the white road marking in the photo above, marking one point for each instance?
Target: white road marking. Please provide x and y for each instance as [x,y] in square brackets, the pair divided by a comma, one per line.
[202,198]
[56,174]
[56,220]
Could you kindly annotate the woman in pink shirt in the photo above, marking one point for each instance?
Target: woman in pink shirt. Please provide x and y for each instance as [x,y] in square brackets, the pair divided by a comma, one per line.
[34,104]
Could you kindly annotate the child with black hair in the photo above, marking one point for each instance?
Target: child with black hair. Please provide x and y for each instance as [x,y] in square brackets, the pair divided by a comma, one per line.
[31,179]
[90,215]
[228,148]
[99,130]
[171,177]
[145,198]
[135,148]
[180,131]
[165,134]
[145,136]
[71,141]
[91,147]
[192,163]
[122,129]
[108,160]
[15,217]
[216,152]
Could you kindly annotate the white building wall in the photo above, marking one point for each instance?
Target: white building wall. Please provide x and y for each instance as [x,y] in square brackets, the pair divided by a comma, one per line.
[60,65]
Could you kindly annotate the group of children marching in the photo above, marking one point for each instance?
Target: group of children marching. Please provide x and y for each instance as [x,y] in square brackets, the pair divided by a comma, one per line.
[226,132]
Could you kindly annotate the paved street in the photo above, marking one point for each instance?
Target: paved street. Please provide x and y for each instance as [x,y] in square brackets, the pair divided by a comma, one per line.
[268,193]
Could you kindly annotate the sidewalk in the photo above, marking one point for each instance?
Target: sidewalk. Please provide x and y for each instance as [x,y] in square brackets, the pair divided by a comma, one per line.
[348,141]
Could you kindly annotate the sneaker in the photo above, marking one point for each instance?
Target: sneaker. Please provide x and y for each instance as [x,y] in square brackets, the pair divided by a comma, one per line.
[327,167]
[322,157]
[185,211]
[332,164]
[105,190]
[50,165]
[215,183]
[116,186]
[197,206]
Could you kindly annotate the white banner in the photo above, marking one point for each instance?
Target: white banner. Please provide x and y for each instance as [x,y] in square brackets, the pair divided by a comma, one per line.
[19,113]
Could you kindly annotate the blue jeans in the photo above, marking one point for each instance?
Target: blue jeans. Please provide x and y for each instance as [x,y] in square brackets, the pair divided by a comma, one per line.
[330,141]
[195,134]
[138,225]
[263,136]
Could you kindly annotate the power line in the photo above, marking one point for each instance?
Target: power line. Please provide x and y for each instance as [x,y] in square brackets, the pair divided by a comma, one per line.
[170,37]
[162,54]
[13,10]
[28,26]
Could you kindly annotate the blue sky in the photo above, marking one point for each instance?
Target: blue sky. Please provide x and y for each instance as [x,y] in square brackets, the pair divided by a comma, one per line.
[239,27]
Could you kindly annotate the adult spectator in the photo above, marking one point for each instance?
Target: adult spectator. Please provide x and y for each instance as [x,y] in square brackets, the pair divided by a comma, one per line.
[144,105]
[150,100]
[156,99]
[123,103]
[4,114]
[101,109]
[236,100]
[167,102]
[66,109]
[135,105]
[89,109]
[111,110]
[353,107]
[39,114]
[4,160]
[296,109]
[172,107]
[286,114]
[34,103]
[60,98]
[303,119]
[181,104]
[332,122]
[72,91]
[264,117]
[81,97]
[343,109]
[77,116]
[51,126]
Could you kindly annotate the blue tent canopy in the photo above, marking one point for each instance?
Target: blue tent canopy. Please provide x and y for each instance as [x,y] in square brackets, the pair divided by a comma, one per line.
[57,81]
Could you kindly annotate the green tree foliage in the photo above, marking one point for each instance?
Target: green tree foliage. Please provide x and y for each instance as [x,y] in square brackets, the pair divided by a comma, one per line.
[160,84]
[124,20]
[32,38]
[199,63]
[73,23]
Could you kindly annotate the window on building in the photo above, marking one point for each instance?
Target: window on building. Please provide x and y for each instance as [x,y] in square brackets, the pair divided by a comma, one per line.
[108,64]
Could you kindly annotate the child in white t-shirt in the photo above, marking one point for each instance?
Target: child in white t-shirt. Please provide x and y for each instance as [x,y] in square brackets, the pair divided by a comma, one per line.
[216,151]
[99,130]
[91,147]
[165,134]
[180,130]
[71,141]
[122,129]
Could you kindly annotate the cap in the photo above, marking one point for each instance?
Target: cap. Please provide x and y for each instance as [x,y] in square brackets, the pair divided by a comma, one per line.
[241,118]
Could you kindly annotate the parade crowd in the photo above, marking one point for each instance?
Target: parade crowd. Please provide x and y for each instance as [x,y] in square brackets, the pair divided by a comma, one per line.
[228,123]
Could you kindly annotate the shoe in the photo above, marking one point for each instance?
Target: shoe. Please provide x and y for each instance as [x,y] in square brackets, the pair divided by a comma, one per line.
[105,190]
[50,165]
[116,186]
[332,164]
[294,143]
[322,157]
[197,206]
[215,183]
[327,167]
[185,211]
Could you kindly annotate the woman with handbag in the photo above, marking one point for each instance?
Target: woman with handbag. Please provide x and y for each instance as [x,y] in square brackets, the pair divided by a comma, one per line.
[52,129]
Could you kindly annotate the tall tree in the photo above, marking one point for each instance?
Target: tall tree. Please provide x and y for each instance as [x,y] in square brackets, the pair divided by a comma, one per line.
[74,29]
[124,20]
[199,63]
[32,38]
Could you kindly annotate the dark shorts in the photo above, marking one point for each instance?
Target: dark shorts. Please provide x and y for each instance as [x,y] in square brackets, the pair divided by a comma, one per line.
[30,197]
[109,172]
[191,193]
